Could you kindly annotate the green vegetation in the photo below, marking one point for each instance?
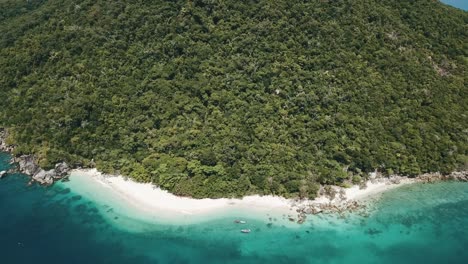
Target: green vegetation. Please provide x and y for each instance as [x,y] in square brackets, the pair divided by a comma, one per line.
[214,98]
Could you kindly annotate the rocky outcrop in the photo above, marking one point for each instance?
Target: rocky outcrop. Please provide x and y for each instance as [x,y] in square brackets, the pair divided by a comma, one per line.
[27,164]
[61,170]
[436,177]
[459,176]
[342,207]
[3,145]
[44,177]
[332,198]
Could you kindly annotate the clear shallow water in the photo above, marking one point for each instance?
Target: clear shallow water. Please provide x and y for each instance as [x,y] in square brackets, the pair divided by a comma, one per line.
[411,224]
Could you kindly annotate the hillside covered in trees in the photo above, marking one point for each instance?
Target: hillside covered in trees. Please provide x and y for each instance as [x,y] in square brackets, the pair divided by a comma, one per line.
[212,98]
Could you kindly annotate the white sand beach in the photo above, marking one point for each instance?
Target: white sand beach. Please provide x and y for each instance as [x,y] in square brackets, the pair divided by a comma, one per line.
[373,188]
[170,208]
[149,203]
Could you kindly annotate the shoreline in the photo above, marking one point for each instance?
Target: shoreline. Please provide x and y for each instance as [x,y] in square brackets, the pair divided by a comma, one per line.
[150,199]
[162,206]
[165,207]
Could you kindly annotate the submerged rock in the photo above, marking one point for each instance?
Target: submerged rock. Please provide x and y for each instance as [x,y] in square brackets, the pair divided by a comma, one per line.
[373,231]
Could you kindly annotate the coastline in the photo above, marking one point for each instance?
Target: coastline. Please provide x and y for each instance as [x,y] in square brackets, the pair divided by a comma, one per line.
[148,202]
[403,218]
[161,206]
[153,204]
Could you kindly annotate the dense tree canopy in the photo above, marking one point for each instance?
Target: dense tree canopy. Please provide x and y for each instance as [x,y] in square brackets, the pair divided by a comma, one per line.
[213,98]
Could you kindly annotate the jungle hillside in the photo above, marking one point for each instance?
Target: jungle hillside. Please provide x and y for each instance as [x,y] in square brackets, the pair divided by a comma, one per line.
[212,98]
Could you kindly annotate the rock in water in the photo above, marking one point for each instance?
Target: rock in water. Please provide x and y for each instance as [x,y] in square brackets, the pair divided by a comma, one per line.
[44,177]
[2,174]
[39,176]
[28,165]
[61,169]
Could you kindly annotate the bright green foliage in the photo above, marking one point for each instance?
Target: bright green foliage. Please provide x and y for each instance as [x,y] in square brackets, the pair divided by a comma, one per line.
[212,98]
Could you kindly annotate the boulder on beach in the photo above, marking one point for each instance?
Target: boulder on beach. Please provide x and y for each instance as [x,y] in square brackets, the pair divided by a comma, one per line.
[44,177]
[61,169]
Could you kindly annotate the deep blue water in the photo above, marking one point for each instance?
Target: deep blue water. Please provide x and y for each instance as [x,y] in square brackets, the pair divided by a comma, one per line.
[411,224]
[462,4]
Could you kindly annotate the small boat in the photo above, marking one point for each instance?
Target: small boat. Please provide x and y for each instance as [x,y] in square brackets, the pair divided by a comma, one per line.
[246,231]
[239,221]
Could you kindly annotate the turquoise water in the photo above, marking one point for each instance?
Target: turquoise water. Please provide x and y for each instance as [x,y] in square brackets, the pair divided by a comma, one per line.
[411,224]
[462,4]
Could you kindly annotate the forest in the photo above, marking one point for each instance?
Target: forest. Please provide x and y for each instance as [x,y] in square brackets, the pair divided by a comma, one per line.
[213,98]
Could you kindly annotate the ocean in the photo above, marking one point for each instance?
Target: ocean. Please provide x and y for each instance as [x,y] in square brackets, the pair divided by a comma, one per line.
[418,223]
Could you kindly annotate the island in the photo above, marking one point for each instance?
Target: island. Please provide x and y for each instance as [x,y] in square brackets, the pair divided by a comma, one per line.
[227,100]
[222,131]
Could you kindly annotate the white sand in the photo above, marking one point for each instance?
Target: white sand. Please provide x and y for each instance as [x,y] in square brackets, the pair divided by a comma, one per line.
[149,198]
[354,193]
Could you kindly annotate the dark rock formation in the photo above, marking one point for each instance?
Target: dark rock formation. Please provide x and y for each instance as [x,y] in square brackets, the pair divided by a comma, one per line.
[27,164]
[61,170]
[44,177]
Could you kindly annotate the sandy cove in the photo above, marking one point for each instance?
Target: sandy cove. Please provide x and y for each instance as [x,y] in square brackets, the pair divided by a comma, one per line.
[150,198]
